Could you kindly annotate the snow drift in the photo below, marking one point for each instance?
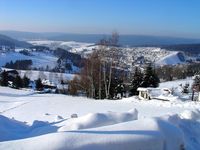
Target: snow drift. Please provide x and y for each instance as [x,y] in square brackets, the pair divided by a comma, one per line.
[93,120]
[145,134]
[10,129]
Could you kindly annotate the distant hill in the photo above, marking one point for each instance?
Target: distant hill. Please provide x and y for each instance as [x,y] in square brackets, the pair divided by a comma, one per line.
[7,41]
[191,48]
[125,40]
[27,36]
[172,59]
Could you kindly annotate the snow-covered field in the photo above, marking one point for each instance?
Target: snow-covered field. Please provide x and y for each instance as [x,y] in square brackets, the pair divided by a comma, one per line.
[43,121]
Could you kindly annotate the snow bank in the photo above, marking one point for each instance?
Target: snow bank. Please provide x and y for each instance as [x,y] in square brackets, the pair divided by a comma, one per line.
[174,137]
[144,134]
[11,129]
[192,115]
[188,123]
[99,131]
[93,120]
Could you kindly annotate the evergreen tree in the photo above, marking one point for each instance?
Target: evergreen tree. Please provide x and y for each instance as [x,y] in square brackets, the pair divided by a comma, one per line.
[26,81]
[39,85]
[113,86]
[150,78]
[4,78]
[17,82]
[136,81]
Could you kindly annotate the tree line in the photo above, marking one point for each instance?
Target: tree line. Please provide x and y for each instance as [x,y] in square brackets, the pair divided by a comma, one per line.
[17,82]
[19,64]
[174,72]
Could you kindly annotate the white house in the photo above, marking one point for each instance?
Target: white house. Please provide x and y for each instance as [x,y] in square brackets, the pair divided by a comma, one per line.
[153,93]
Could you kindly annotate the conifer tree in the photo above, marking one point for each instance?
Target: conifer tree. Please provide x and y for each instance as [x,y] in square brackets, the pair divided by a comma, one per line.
[26,81]
[150,78]
[17,82]
[136,81]
[39,85]
[4,78]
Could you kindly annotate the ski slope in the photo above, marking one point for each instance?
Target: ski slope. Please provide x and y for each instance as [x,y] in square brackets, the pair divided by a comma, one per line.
[171,59]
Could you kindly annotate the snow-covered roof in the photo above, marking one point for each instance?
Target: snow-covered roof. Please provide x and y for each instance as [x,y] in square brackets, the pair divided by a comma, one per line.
[47,82]
[147,89]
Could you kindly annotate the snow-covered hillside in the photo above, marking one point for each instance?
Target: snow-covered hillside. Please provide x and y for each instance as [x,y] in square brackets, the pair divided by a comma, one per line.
[172,59]
[72,46]
[39,59]
[141,55]
[42,60]
[31,121]
[53,77]
[129,56]
[136,55]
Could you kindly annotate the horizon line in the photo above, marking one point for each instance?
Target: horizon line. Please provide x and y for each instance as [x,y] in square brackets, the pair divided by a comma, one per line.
[104,34]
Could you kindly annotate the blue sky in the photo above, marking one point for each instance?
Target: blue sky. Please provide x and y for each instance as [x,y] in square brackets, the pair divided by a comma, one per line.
[179,18]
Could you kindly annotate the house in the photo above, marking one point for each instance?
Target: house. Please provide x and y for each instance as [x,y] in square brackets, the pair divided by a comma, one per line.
[49,87]
[153,93]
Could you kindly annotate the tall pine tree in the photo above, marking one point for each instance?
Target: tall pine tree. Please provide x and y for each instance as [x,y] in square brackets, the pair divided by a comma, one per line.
[136,81]
[17,82]
[39,85]
[26,81]
[4,78]
[150,78]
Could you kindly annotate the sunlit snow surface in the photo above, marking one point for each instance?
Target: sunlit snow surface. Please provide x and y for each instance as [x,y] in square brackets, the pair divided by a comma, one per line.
[43,121]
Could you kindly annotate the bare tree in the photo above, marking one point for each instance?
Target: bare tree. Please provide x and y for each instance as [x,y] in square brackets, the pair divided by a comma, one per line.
[97,73]
[108,54]
[196,86]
